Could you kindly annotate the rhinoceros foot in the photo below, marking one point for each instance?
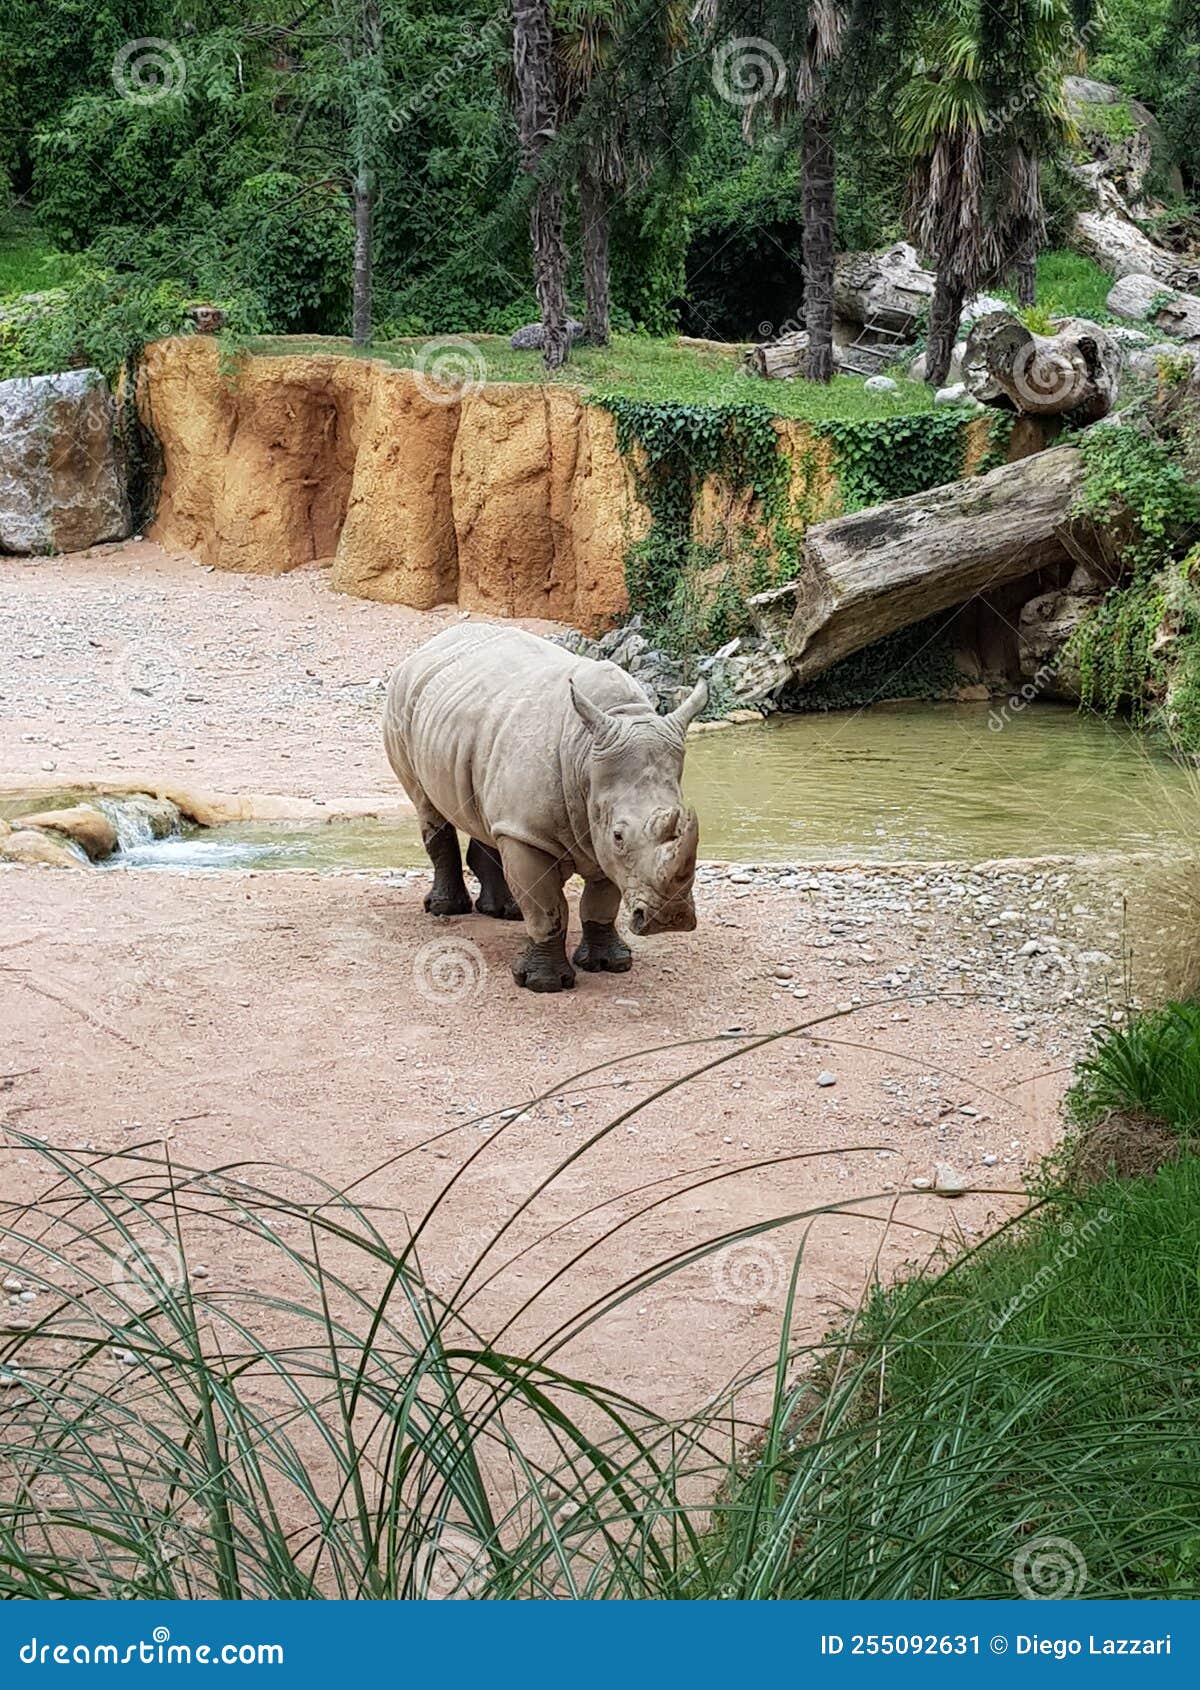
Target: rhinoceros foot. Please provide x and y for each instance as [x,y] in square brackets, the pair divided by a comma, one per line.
[544,967]
[450,903]
[602,950]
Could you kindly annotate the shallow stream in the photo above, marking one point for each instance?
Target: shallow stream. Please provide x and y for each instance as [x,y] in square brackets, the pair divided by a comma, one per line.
[906,783]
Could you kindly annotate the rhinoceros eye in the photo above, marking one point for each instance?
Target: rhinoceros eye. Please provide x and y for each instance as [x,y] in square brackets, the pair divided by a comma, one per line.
[618,836]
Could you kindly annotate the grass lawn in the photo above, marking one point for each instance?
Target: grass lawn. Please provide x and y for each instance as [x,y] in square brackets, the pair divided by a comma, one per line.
[1070,285]
[29,263]
[636,368]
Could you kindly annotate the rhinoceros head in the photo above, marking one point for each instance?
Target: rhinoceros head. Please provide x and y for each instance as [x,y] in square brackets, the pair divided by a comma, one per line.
[642,834]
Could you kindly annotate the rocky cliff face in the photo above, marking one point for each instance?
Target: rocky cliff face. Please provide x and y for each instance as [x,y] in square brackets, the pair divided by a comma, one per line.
[507,499]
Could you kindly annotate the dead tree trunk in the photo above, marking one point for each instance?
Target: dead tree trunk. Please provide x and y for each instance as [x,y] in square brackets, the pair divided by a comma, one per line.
[1074,371]
[868,574]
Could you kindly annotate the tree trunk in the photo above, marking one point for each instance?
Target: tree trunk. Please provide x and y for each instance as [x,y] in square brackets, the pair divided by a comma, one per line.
[594,218]
[945,313]
[1072,372]
[1025,277]
[866,575]
[364,208]
[886,291]
[819,240]
[537,126]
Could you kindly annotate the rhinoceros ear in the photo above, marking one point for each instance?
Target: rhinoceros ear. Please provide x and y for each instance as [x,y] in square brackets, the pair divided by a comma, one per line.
[691,707]
[590,713]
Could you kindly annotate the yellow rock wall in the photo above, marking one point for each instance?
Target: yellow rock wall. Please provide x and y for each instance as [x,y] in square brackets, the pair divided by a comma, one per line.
[511,499]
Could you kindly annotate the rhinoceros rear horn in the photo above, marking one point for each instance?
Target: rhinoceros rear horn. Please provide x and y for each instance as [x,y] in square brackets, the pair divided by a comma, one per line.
[590,713]
[691,707]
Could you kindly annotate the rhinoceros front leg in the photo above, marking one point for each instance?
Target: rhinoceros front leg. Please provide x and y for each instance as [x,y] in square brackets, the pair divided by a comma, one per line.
[536,881]
[494,898]
[602,950]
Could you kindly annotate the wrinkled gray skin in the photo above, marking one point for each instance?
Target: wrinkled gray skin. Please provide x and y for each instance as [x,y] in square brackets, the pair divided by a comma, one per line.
[552,764]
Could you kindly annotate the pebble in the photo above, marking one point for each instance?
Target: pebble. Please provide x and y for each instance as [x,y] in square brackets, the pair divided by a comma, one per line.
[825,1078]
[922,1183]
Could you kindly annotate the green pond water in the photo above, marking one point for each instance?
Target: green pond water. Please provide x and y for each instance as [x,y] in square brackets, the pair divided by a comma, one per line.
[907,783]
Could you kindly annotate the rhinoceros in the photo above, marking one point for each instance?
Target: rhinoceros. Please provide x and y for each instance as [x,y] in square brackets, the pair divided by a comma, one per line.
[552,764]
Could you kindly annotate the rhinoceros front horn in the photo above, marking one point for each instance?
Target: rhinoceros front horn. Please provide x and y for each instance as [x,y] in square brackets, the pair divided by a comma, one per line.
[691,707]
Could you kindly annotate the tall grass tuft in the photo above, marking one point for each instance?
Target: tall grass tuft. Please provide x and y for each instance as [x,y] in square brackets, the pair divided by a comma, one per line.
[322,1423]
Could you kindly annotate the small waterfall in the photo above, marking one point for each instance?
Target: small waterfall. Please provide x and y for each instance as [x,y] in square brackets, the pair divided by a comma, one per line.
[140,819]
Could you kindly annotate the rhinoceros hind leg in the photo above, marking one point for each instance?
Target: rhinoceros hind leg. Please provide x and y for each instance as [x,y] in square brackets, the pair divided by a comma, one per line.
[495,898]
[448,895]
[602,950]
[543,967]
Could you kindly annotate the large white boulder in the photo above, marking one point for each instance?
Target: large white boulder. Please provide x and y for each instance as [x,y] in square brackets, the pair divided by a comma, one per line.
[62,484]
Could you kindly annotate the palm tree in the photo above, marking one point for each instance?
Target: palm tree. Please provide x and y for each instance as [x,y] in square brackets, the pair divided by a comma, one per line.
[808,40]
[602,92]
[983,102]
[538,101]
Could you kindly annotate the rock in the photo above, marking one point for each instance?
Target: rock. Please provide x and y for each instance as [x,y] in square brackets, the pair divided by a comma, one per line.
[825,1078]
[1046,626]
[1148,360]
[62,485]
[25,846]
[532,337]
[983,305]
[89,829]
[946,1182]
[880,384]
[921,1183]
[1145,299]
[953,375]
[953,395]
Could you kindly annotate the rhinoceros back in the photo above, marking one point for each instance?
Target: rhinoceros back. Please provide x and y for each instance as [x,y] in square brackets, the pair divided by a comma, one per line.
[480,721]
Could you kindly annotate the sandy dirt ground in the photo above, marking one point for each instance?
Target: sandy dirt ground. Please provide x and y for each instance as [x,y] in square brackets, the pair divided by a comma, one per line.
[328,1024]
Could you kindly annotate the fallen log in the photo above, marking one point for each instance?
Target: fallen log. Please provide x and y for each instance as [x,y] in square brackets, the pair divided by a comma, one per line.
[868,574]
[1142,299]
[887,290]
[1074,371]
